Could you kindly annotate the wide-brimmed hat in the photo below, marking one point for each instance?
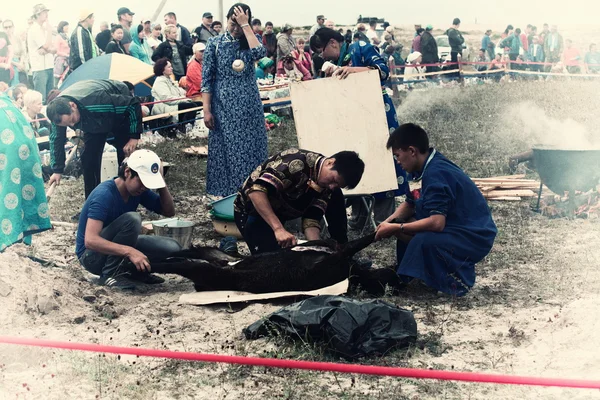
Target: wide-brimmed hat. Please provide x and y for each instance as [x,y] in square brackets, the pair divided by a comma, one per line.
[85,14]
[38,9]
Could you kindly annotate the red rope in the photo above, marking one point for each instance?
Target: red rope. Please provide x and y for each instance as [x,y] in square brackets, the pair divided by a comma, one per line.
[310,365]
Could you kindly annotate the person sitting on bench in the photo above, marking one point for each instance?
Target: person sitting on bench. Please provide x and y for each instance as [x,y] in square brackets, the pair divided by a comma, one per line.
[109,226]
[293,184]
[445,228]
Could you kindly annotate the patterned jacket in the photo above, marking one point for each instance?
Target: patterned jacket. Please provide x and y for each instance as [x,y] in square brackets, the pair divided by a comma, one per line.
[289,179]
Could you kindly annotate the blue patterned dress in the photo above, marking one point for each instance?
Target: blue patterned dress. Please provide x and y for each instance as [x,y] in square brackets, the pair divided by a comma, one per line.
[362,54]
[23,206]
[238,143]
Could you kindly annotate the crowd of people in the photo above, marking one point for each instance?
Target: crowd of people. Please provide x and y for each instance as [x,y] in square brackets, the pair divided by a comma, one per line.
[59,50]
[216,66]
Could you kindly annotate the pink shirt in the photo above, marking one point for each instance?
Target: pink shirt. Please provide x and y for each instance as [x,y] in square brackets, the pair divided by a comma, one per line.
[62,46]
[571,56]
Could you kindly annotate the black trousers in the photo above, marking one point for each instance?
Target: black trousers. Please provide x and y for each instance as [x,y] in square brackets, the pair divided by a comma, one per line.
[260,238]
[454,59]
[188,117]
[91,157]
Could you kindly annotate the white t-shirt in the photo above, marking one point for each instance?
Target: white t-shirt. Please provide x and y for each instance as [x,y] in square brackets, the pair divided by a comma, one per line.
[36,38]
[372,34]
[153,43]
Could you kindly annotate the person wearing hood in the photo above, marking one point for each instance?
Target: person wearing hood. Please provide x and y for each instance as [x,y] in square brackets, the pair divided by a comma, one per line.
[139,47]
[264,68]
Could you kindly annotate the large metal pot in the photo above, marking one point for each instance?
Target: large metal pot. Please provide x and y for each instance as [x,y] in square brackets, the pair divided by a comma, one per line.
[567,170]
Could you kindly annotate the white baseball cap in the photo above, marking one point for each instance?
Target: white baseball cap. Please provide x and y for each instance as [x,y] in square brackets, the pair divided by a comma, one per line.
[147,165]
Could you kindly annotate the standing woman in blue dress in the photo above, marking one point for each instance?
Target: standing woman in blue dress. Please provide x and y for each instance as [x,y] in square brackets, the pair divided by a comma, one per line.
[356,57]
[237,141]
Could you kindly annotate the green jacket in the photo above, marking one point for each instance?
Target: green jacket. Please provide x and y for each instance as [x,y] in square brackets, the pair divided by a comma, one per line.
[513,43]
[139,49]
[106,108]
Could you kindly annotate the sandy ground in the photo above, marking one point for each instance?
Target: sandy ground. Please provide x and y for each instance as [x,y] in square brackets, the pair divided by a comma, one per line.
[549,329]
[533,310]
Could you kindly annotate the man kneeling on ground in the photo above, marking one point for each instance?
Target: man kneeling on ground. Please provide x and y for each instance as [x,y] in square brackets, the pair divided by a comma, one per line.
[446,227]
[109,226]
[296,184]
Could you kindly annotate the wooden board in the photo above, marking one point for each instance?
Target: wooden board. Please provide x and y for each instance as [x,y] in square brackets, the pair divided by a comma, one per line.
[509,193]
[333,114]
[228,296]
[201,151]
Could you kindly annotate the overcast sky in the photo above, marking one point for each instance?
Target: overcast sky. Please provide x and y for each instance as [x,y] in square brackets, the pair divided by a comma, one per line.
[440,13]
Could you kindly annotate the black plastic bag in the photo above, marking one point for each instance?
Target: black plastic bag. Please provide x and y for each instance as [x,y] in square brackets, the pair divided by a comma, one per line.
[348,327]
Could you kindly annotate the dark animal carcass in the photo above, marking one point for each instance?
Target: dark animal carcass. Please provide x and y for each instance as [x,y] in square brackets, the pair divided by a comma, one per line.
[309,266]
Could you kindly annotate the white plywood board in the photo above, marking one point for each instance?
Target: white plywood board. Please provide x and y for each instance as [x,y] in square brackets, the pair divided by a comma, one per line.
[347,114]
[227,296]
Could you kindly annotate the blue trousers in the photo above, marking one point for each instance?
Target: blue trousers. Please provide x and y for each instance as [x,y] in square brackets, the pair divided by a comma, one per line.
[43,82]
[126,230]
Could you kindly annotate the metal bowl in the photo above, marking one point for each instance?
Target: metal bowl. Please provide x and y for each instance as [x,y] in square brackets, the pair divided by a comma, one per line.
[175,228]
[567,170]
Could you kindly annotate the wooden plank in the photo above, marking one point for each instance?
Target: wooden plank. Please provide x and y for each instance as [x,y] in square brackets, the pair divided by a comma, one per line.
[509,193]
[338,108]
[505,187]
[530,181]
[170,114]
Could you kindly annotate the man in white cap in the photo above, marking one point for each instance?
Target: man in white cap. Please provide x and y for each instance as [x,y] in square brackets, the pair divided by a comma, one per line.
[41,51]
[109,226]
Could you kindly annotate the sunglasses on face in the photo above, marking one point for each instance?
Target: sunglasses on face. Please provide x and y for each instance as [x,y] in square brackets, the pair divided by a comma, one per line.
[8,27]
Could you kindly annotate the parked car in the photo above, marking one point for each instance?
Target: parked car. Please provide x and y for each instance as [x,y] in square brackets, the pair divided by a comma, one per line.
[444,49]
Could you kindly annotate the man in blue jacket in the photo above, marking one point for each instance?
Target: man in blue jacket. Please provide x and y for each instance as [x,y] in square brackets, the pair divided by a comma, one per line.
[444,228]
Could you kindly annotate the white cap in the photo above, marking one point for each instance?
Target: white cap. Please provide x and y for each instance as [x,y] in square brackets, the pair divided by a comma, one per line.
[198,47]
[147,165]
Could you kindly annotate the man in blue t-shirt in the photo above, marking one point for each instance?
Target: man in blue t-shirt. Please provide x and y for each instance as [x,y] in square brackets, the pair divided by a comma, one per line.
[109,226]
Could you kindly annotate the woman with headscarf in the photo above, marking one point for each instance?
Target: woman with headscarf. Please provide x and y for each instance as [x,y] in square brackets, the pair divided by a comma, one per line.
[359,57]
[63,50]
[413,70]
[24,208]
[139,47]
[264,68]
[233,112]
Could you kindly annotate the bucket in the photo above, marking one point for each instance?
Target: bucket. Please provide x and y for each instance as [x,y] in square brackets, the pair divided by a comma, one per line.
[175,228]
[110,163]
